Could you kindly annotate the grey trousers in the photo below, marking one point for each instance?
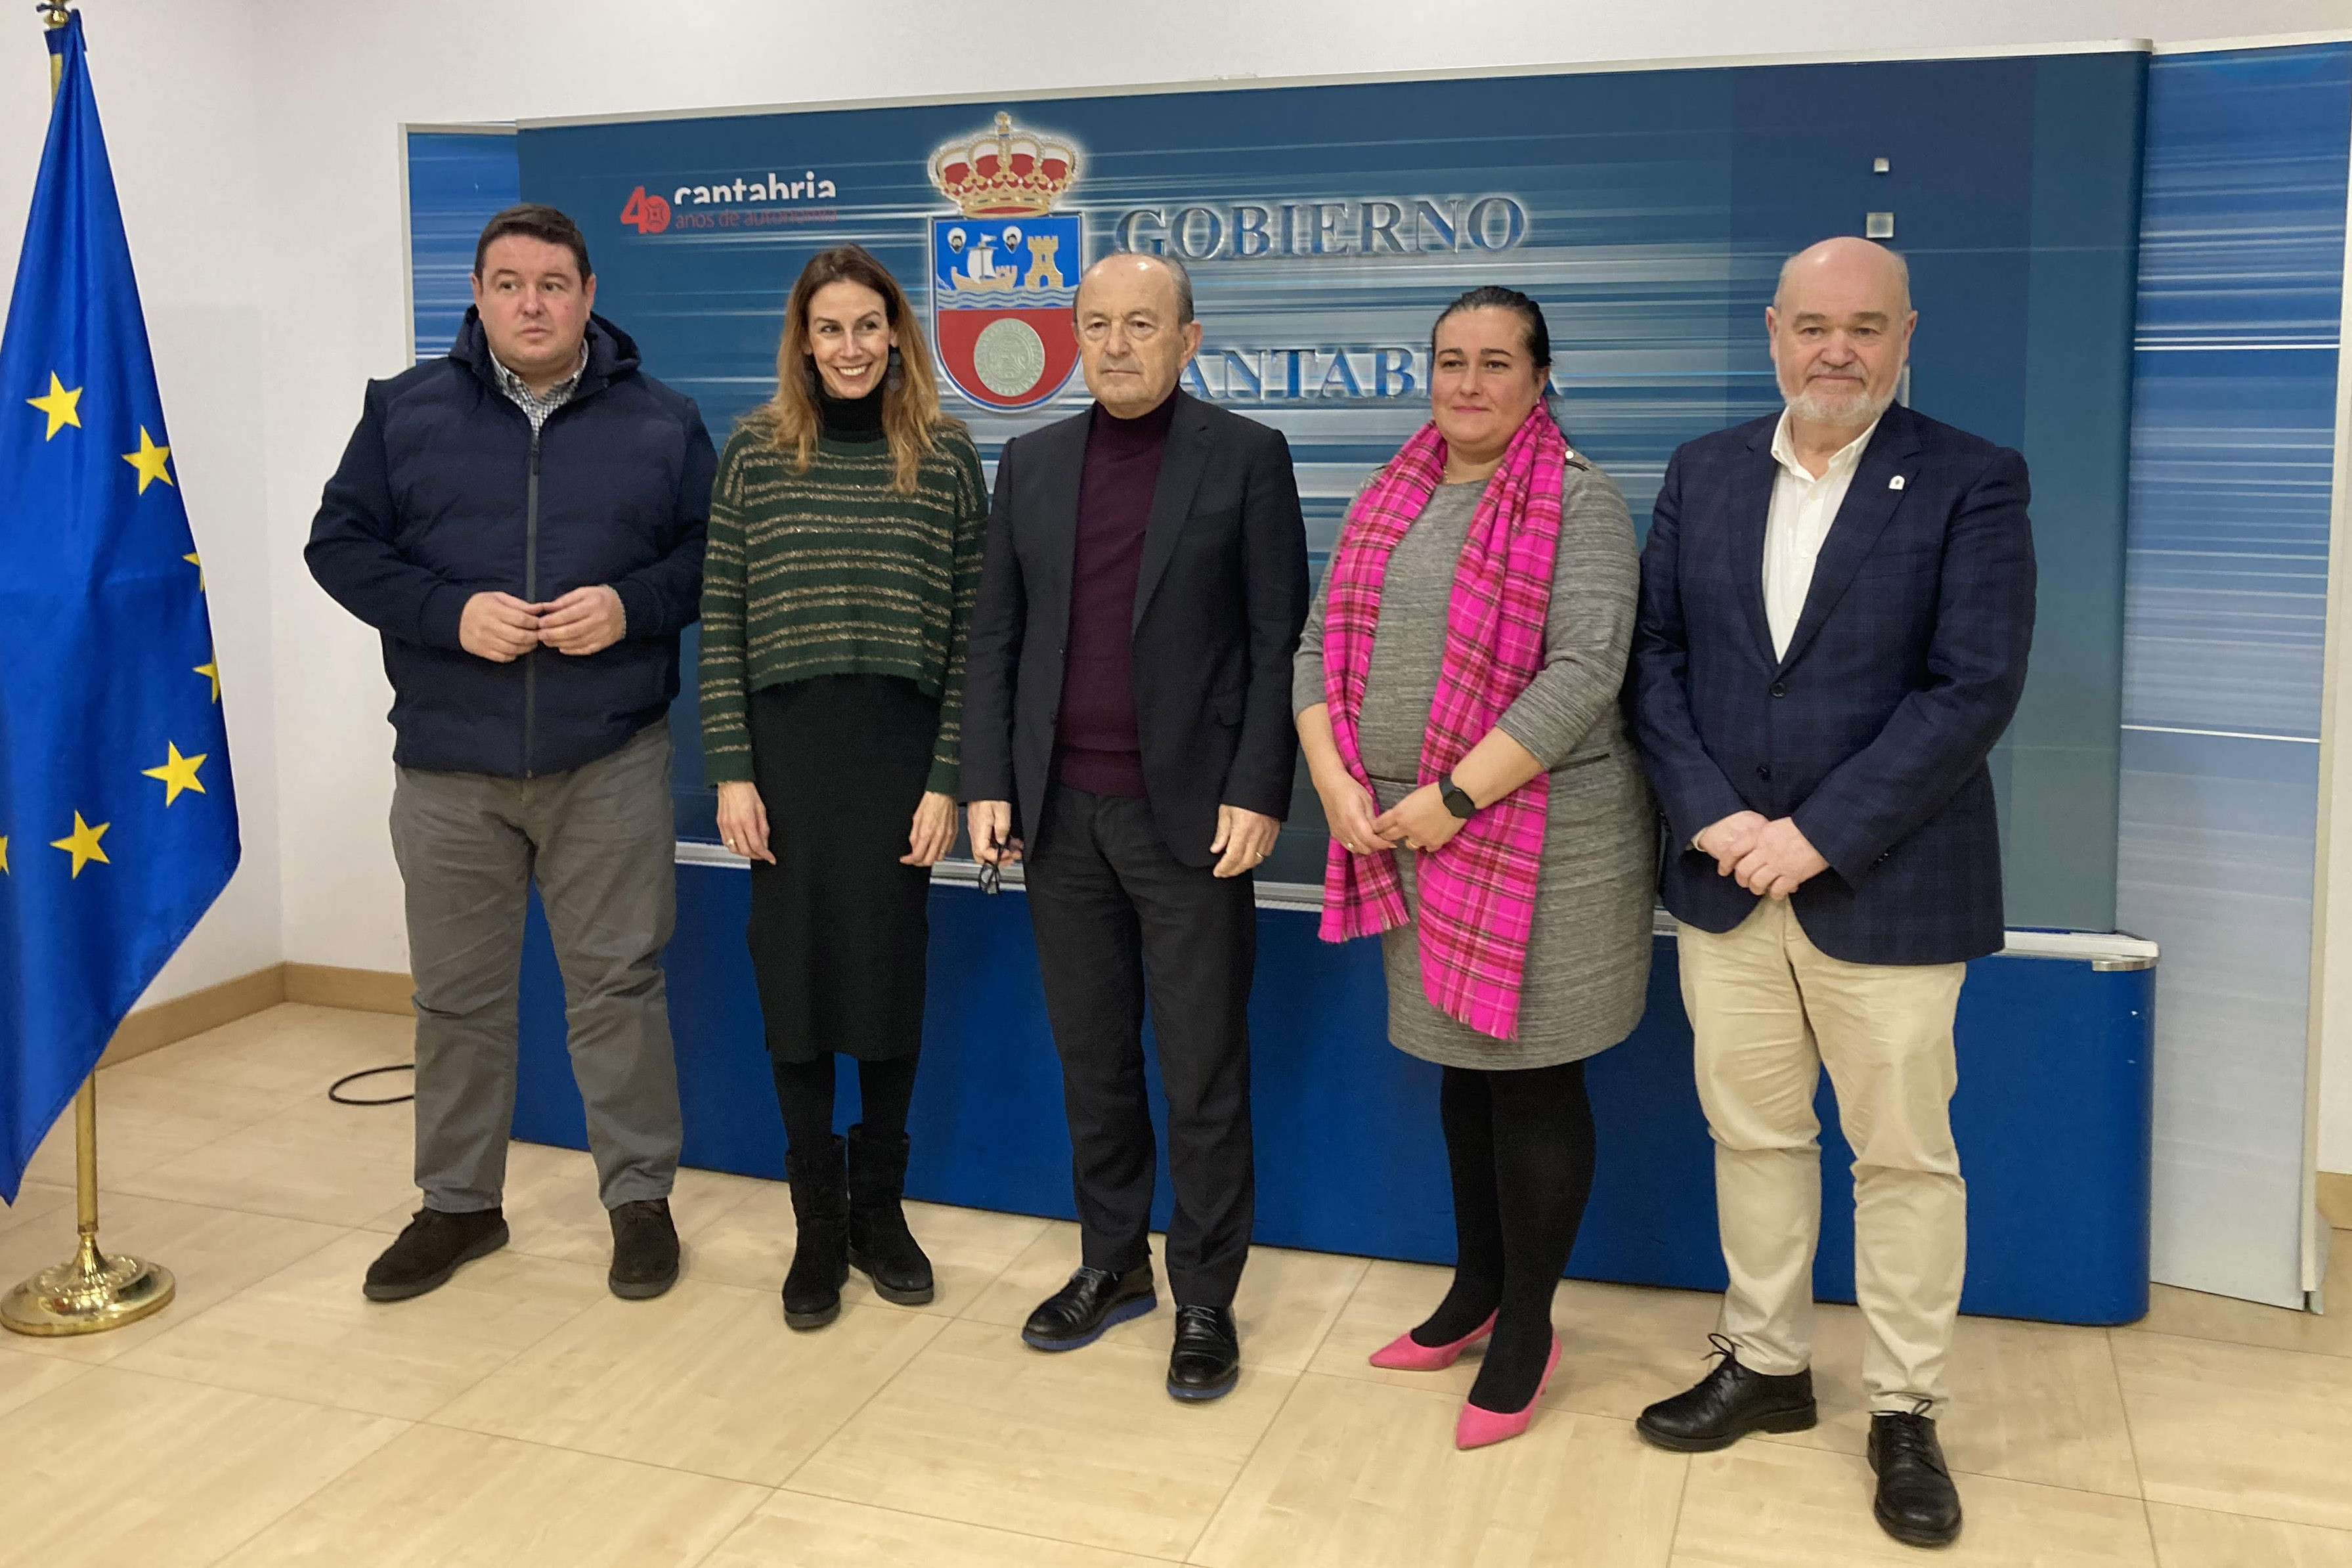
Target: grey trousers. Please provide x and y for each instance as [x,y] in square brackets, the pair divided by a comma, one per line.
[600,841]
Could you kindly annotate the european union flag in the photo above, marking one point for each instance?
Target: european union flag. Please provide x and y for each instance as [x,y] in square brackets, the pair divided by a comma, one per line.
[118,827]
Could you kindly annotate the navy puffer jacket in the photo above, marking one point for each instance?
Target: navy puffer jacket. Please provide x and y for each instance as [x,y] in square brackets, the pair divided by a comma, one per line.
[445,492]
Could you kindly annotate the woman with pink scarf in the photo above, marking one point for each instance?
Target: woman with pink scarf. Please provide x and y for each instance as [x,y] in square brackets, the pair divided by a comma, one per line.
[1456,696]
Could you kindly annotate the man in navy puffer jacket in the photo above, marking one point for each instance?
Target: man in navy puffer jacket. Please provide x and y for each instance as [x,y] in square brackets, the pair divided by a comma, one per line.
[524,521]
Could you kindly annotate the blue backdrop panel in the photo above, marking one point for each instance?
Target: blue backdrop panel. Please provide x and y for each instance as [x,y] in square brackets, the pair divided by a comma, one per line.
[2051,1114]
[1647,210]
[458,180]
[2240,302]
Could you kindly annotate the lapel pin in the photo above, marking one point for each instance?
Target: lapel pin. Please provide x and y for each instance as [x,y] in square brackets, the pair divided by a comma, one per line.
[1895,483]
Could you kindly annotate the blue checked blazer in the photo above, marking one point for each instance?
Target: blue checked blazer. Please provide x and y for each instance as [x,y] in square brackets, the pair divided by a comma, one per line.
[1871,733]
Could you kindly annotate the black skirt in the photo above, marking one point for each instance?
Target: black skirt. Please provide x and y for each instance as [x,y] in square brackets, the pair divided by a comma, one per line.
[839,928]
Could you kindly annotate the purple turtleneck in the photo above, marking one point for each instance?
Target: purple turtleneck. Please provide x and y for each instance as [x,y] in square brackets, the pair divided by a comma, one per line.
[1096,747]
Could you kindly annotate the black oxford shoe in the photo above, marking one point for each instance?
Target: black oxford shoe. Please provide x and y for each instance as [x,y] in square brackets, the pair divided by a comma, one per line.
[645,1250]
[1726,1404]
[430,1249]
[1093,1301]
[1916,1504]
[1207,1360]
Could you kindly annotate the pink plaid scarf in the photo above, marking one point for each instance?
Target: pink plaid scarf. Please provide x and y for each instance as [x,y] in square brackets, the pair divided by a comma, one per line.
[1478,892]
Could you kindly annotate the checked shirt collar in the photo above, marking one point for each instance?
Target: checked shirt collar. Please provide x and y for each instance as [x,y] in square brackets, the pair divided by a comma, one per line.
[535,408]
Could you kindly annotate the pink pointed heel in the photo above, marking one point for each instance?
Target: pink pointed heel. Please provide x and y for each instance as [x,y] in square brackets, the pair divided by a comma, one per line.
[1405,1353]
[1478,1427]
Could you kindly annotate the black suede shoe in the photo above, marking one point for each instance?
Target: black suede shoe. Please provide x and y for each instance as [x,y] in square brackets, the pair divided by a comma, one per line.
[1726,1404]
[645,1250]
[881,1247]
[821,1249]
[1916,1504]
[1207,1360]
[430,1249]
[1093,1301]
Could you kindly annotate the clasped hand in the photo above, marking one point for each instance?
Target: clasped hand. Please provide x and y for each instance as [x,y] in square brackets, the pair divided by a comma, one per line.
[1419,821]
[1769,855]
[502,628]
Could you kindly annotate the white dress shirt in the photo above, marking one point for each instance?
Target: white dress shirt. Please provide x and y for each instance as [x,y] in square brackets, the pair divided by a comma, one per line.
[1803,508]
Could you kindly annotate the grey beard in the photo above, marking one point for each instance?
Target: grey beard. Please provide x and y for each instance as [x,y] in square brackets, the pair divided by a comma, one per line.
[1805,406]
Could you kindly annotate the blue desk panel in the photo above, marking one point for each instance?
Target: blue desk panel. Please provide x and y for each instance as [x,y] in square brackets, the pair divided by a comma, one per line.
[2051,1114]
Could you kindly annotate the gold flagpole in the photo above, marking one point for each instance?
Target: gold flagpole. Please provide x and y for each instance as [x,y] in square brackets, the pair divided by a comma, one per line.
[90,1291]
[52,16]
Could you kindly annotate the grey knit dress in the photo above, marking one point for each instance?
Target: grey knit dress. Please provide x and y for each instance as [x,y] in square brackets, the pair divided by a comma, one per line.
[1588,962]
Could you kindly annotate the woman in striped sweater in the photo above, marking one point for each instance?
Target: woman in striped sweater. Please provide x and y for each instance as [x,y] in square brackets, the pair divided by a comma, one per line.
[846,534]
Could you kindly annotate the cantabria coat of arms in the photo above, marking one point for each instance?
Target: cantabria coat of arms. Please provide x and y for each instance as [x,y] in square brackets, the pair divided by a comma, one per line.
[1004,269]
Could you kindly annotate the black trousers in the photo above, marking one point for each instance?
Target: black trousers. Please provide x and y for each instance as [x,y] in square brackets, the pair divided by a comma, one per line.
[1110,906]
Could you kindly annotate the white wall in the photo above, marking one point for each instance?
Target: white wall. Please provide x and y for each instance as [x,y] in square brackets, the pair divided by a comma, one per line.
[257,145]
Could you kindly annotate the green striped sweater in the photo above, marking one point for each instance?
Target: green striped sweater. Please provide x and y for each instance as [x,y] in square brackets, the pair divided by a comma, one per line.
[832,571]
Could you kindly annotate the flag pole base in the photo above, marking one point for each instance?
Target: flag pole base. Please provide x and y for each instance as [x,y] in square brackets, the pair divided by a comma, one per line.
[89,1294]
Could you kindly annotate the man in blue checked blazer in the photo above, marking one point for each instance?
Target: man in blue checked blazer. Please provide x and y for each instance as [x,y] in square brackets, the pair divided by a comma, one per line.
[1836,608]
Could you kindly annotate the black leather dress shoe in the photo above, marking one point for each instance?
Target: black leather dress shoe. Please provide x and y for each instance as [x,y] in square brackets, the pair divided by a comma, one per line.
[1918,1504]
[645,1250]
[1207,1360]
[1726,1404]
[1093,1301]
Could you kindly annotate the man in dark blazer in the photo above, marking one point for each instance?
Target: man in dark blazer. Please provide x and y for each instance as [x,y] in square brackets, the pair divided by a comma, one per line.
[1127,725]
[1836,608]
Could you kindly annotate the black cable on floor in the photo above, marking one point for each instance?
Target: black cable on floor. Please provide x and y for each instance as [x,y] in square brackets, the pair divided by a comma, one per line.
[370,1072]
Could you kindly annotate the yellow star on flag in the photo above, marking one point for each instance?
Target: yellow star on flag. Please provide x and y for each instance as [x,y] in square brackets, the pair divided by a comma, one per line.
[3,852]
[195,560]
[59,405]
[83,844]
[178,772]
[150,460]
[211,672]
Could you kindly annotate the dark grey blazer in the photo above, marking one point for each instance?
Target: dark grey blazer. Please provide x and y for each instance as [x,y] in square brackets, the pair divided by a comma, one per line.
[1219,601]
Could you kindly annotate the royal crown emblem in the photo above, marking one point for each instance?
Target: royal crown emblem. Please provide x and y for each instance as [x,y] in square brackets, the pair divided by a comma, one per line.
[1004,173]
[1004,271]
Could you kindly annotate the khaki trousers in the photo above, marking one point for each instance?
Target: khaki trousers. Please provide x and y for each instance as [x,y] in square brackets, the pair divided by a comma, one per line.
[1768,1011]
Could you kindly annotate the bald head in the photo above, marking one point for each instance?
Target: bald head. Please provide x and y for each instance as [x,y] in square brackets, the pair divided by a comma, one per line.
[1847,264]
[1124,266]
[1840,328]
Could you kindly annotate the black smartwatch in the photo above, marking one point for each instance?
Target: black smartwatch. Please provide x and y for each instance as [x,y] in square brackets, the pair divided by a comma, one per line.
[1457,799]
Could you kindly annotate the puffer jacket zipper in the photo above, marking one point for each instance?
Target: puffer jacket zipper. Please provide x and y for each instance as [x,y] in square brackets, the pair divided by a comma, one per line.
[531,595]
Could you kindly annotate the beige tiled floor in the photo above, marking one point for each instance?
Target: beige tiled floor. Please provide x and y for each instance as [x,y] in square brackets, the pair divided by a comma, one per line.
[523,1416]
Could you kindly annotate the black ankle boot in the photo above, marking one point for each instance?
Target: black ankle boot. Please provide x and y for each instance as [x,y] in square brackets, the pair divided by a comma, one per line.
[821,1252]
[881,1247]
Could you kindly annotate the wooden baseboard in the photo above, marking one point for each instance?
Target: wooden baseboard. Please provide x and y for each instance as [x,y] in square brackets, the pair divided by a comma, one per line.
[2336,1198]
[319,984]
[361,990]
[166,1023]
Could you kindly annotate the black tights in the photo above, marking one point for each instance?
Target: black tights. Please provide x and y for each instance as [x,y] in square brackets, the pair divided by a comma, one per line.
[804,1092]
[1520,1144]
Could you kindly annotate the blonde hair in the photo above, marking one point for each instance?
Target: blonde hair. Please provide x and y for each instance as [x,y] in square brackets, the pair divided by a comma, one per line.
[911,419]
